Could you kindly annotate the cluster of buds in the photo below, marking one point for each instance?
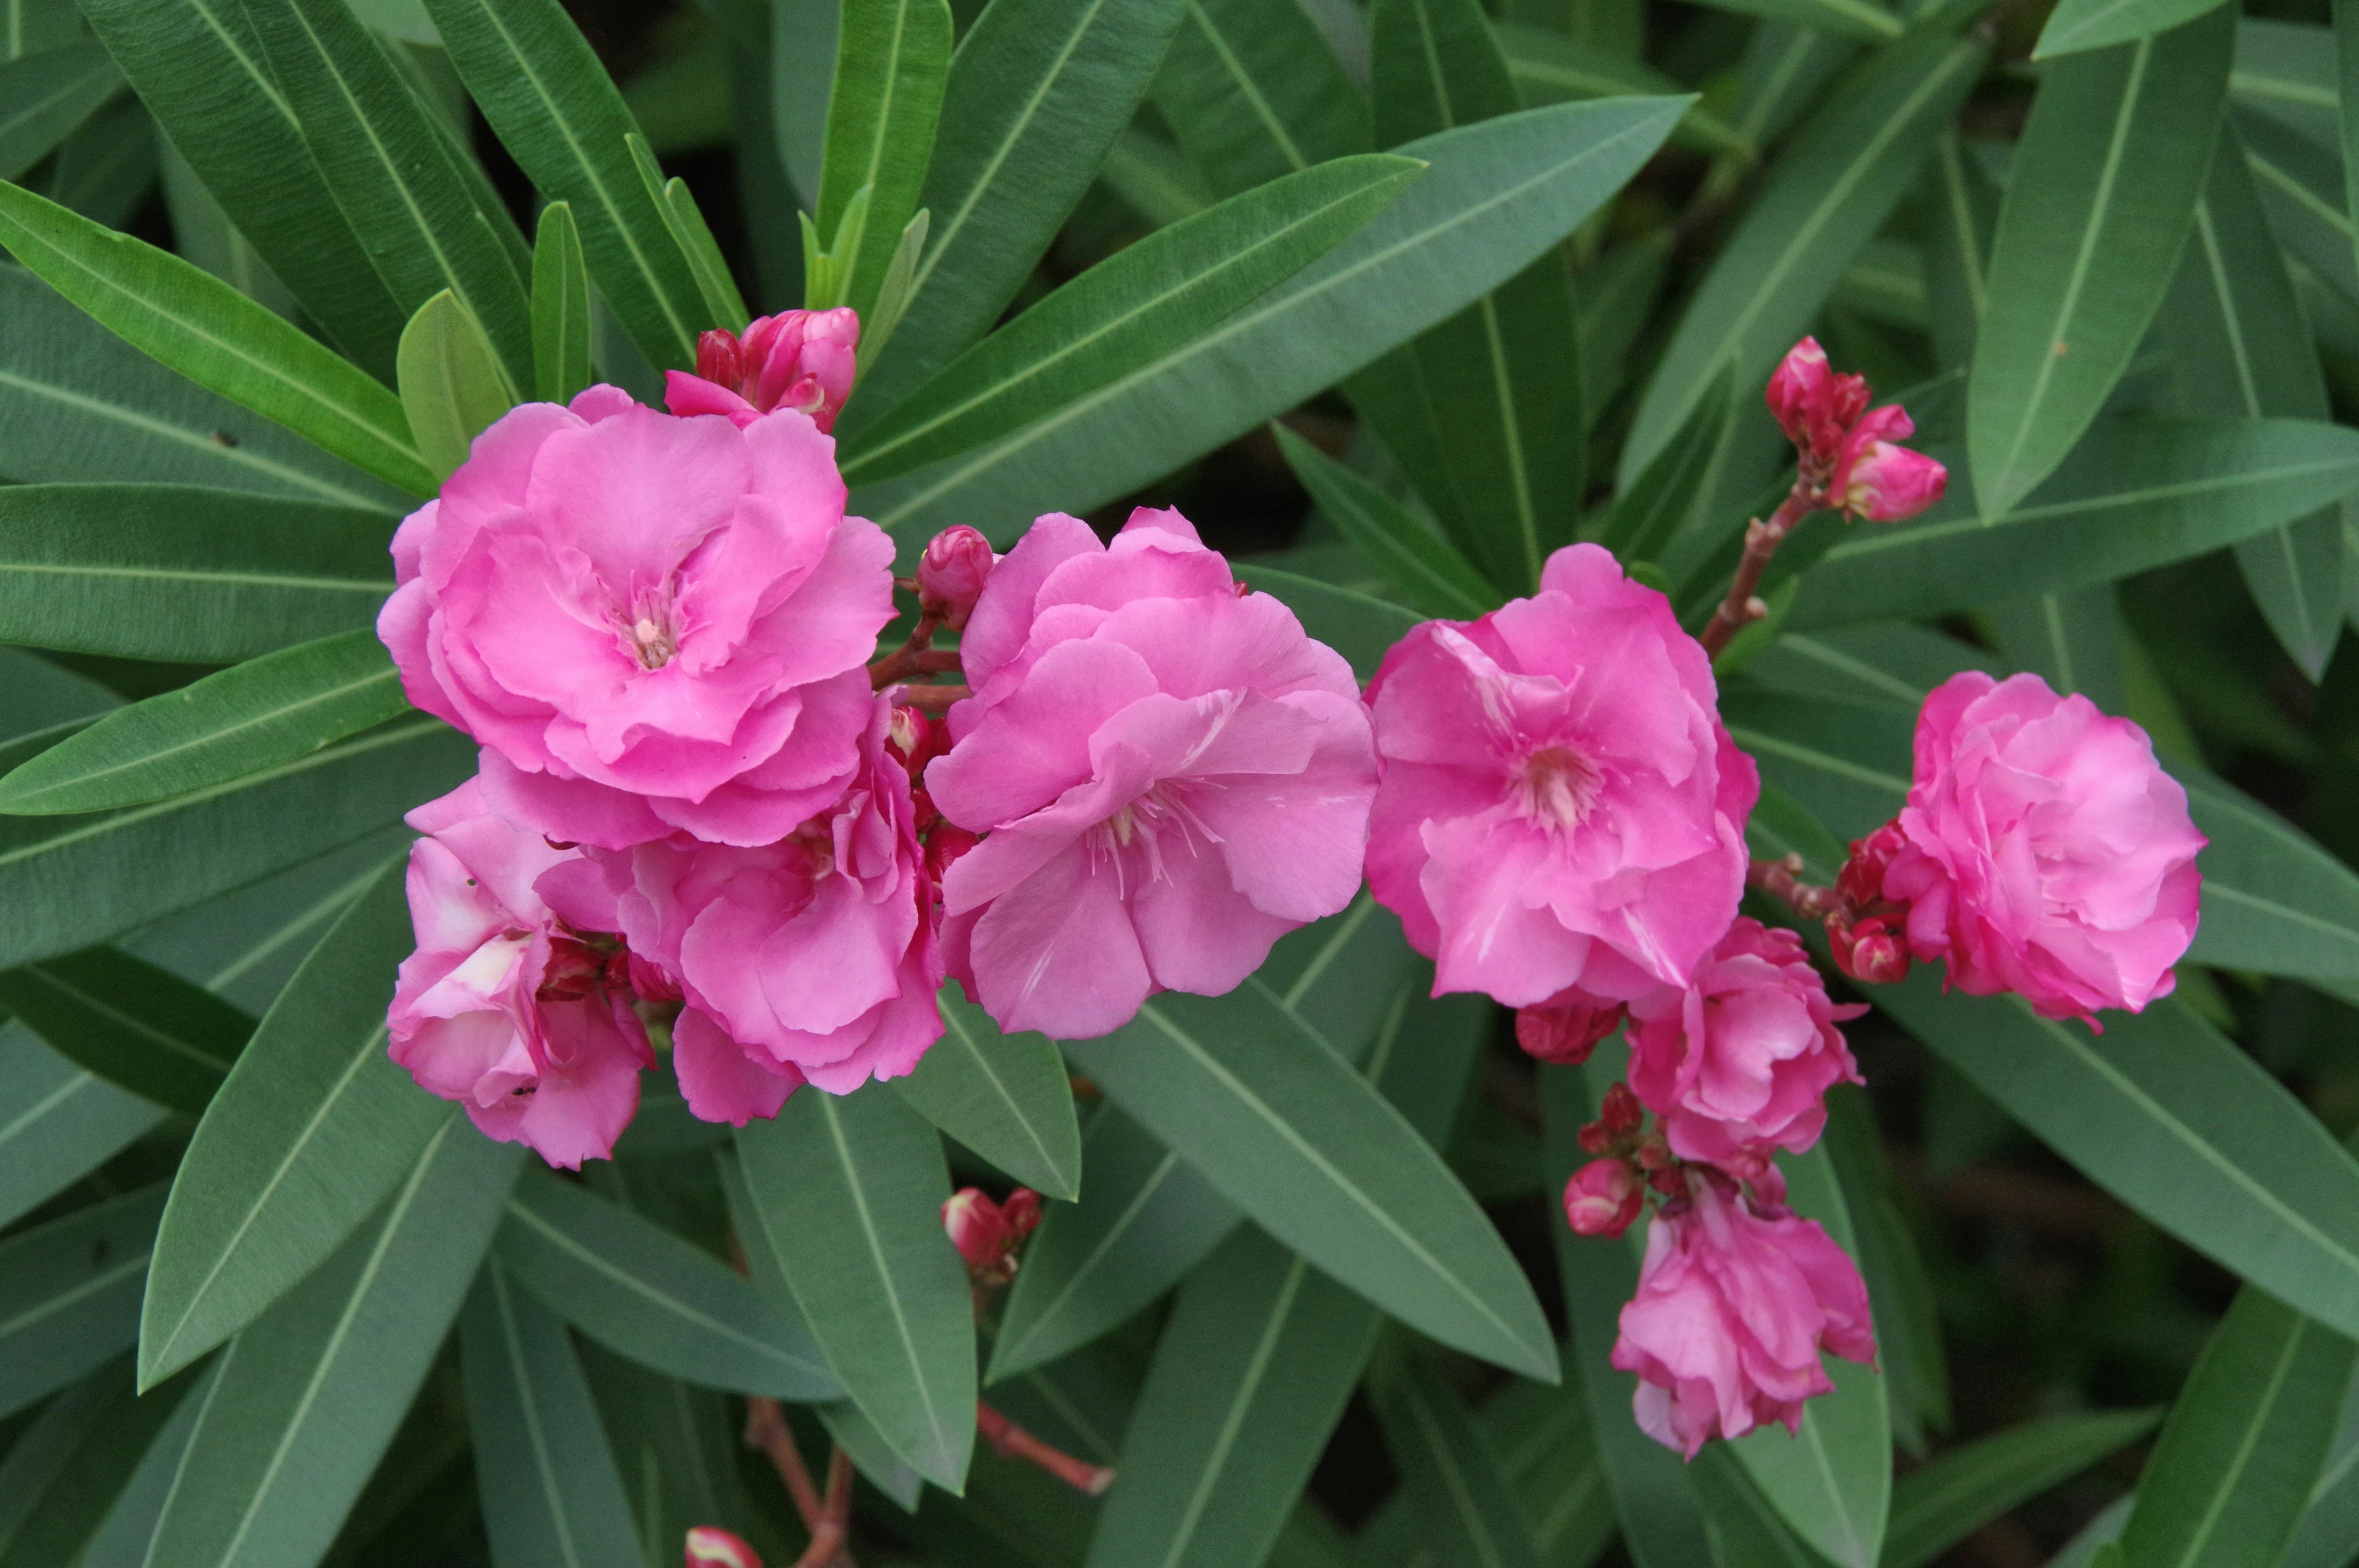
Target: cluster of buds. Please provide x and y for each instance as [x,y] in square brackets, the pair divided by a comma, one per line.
[802,359]
[1867,931]
[1850,455]
[988,1234]
[1606,1194]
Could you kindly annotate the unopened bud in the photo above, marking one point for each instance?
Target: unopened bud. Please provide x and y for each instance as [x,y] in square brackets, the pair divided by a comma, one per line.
[1814,406]
[952,573]
[802,359]
[1602,1198]
[1878,481]
[1869,951]
[1622,1112]
[1861,882]
[945,845]
[1022,1213]
[987,1234]
[709,1546]
[911,738]
[1565,1032]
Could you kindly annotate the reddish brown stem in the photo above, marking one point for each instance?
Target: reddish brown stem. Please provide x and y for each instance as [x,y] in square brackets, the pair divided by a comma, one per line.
[828,1542]
[766,1429]
[1014,1443]
[908,659]
[1743,606]
[1782,880]
[934,699]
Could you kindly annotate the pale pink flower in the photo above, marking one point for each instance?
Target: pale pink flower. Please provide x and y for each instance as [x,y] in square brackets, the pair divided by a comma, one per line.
[802,359]
[1602,1197]
[652,624]
[1168,776]
[502,1008]
[1560,807]
[1739,1062]
[1735,1304]
[2046,853]
[809,959]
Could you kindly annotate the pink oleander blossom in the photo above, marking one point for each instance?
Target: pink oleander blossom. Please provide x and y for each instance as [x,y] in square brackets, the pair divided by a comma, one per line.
[1734,1303]
[2046,853]
[502,1008]
[809,959]
[652,624]
[1168,777]
[1739,1063]
[1560,807]
[802,359]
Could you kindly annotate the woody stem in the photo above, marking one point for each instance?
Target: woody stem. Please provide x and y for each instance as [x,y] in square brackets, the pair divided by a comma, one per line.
[1782,880]
[1014,1443]
[909,658]
[1742,606]
[933,698]
[766,1429]
[827,1548]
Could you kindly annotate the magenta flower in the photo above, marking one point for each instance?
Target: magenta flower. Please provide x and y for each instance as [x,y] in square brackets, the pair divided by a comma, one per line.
[809,959]
[1850,456]
[2043,850]
[1734,1303]
[502,1008]
[1560,807]
[1168,776]
[652,624]
[1878,481]
[802,359]
[1739,1062]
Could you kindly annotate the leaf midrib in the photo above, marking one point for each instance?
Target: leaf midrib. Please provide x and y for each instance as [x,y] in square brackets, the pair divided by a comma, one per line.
[1232,1421]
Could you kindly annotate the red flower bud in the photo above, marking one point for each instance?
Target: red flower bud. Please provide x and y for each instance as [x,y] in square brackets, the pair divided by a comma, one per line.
[803,359]
[1022,1212]
[1878,481]
[945,845]
[1861,882]
[709,1546]
[952,573]
[1622,1112]
[912,739]
[1602,1198]
[1869,951]
[987,1234]
[1565,1032]
[1815,406]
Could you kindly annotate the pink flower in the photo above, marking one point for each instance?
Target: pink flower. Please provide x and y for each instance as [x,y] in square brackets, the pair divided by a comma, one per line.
[1876,481]
[809,959]
[709,1546]
[1560,807]
[1733,1306]
[952,573]
[1566,1027]
[1815,406]
[802,359]
[652,624]
[1602,1197]
[1850,460]
[1740,1061]
[2046,853]
[502,1009]
[987,1234]
[1168,776]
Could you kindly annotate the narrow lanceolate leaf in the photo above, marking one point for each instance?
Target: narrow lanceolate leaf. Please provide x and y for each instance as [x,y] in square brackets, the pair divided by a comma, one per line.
[1909,1345]
[2103,189]
[44,97]
[215,336]
[315,1126]
[1935,1507]
[69,1294]
[155,571]
[892,61]
[1457,1483]
[1825,199]
[267,711]
[1961,201]
[720,303]
[643,1291]
[560,307]
[1840,18]
[142,1028]
[2080,25]
[551,1492]
[2301,182]
[1006,1097]
[2231,1473]
[1285,1130]
[1254,93]
[2166,1114]
[2346,84]
[1493,197]
[308,1396]
[391,173]
[1038,91]
[57,1122]
[850,1190]
[1424,567]
[453,384]
[1130,311]
[72,1518]
[2136,494]
[1549,67]
[2331,1522]
[1261,1352]
[2274,902]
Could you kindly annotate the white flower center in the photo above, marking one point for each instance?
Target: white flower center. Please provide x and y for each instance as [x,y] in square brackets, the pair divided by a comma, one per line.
[1554,787]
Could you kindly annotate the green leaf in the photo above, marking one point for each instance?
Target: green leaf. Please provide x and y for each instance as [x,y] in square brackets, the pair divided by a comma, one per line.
[277,709]
[215,336]
[1354,626]
[553,106]
[315,1126]
[1908,1345]
[1837,19]
[850,1189]
[1494,196]
[198,67]
[1282,1126]
[1254,93]
[392,174]
[69,1294]
[1961,202]
[644,1293]
[2300,183]
[309,1395]
[1006,1097]
[94,1480]
[66,882]
[57,1122]
[139,1026]
[32,27]
[2328,1525]
[1427,568]
[1649,511]
[2136,494]
[1038,91]
[2274,902]
[1550,67]
[892,63]
[452,384]
[1129,312]
[716,290]
[44,97]
[560,307]
[1935,1507]
[2078,25]
[1827,195]
[121,1537]
[2167,1115]
[676,1445]
[552,1493]
[1251,1371]
[1458,1483]
[167,572]
[2110,164]
[106,169]
[2231,1473]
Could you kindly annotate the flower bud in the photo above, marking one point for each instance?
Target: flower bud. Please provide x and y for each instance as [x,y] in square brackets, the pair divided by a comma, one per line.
[951,574]
[1878,481]
[1814,406]
[1602,1198]
[709,1546]
[1565,1031]
[1022,1212]
[802,359]
[1869,951]
[945,845]
[911,739]
[1860,880]
[1622,1112]
[987,1234]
